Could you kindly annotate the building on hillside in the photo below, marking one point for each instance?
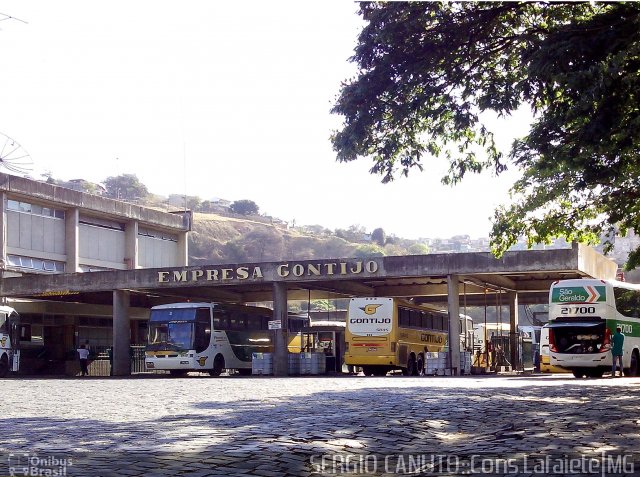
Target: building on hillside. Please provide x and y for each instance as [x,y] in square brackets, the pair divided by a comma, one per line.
[48,229]
[51,229]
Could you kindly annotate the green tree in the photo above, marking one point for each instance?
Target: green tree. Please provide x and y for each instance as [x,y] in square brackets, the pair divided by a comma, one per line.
[369,250]
[378,236]
[418,249]
[427,70]
[125,187]
[244,207]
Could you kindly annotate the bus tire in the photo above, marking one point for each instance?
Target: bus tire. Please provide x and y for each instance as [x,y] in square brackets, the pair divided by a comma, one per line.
[578,373]
[367,370]
[420,364]
[4,366]
[632,370]
[218,366]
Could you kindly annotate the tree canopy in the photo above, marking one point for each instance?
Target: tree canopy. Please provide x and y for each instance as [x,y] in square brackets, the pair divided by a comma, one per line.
[125,187]
[244,207]
[428,70]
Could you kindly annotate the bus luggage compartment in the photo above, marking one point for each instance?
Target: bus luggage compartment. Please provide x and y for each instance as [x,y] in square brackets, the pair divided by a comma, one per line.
[578,337]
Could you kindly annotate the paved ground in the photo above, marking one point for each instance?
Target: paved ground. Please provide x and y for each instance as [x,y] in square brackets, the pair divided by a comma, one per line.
[268,426]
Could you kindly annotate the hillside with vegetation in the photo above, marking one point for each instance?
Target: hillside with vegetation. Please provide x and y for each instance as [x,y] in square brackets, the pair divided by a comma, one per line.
[233,232]
[229,238]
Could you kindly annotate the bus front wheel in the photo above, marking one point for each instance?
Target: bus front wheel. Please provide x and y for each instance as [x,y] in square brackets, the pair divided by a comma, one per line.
[218,366]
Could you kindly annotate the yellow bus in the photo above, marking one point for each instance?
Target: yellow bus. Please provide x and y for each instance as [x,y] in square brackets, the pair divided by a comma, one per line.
[384,334]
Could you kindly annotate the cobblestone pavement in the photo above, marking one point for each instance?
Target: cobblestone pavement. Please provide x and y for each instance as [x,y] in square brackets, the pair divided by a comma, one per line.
[300,426]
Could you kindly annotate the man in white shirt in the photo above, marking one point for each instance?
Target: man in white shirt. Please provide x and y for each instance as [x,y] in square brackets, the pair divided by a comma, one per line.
[83,353]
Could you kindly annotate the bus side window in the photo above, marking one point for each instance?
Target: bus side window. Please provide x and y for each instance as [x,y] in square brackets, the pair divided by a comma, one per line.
[202,330]
[415,318]
[237,322]
[220,320]
[3,323]
[404,318]
[430,321]
[254,323]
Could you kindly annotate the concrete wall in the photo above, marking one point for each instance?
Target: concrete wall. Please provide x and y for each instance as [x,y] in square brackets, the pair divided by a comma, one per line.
[102,247]
[155,252]
[27,232]
[103,233]
[27,188]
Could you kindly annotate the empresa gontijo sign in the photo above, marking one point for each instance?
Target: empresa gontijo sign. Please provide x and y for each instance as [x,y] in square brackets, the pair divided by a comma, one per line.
[283,270]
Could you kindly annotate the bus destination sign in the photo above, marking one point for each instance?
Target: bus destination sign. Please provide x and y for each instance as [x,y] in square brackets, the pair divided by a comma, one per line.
[585,294]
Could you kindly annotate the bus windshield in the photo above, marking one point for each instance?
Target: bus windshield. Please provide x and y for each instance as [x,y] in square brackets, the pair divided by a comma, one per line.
[172,329]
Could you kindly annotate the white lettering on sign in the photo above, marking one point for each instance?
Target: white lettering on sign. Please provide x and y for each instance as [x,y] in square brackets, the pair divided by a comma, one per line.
[284,270]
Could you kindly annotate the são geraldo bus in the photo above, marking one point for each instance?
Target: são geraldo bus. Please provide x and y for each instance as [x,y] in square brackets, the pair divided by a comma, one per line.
[211,337]
[383,334]
[583,314]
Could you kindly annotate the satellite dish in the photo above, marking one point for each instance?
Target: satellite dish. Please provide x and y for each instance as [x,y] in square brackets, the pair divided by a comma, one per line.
[13,157]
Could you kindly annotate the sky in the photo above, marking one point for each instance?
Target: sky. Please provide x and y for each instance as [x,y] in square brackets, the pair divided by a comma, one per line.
[220,100]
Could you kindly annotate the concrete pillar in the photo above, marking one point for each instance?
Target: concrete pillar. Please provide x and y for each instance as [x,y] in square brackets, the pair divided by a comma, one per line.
[183,250]
[513,327]
[121,363]
[281,338]
[72,239]
[453,289]
[131,244]
[3,232]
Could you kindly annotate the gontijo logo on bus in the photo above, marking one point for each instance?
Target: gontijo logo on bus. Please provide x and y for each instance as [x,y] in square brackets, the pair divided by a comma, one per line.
[585,294]
[370,309]
[370,317]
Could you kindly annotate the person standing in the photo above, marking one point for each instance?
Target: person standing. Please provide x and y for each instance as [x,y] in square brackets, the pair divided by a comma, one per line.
[83,354]
[617,344]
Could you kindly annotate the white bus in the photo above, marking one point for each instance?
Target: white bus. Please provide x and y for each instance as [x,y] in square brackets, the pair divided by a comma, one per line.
[211,337]
[9,340]
[583,314]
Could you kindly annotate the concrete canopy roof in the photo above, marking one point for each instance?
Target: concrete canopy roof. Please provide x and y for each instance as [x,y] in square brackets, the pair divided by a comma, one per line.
[424,277]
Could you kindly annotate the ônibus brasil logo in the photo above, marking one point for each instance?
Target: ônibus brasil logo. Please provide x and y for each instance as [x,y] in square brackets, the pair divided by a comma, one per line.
[584,294]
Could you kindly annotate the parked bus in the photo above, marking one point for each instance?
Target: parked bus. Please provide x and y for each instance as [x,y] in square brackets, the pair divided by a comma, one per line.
[383,334]
[212,337]
[583,315]
[9,340]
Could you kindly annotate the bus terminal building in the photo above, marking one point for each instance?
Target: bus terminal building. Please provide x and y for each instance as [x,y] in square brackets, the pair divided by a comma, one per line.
[123,297]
